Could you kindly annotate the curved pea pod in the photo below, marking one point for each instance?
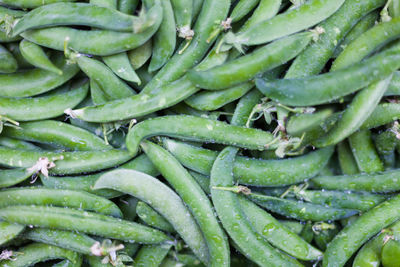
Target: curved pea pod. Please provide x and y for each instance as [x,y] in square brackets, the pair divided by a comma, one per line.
[385,144]
[44,107]
[265,10]
[347,162]
[102,42]
[19,144]
[153,218]
[127,6]
[65,162]
[14,49]
[162,199]
[4,11]
[4,38]
[276,233]
[353,236]
[120,65]
[38,252]
[247,67]
[82,221]
[289,22]
[10,177]
[58,197]
[383,114]
[301,210]
[36,56]
[319,89]
[8,64]
[36,81]
[8,231]
[391,253]
[370,253]
[57,133]
[323,237]
[253,171]
[152,255]
[30,3]
[212,100]
[183,11]
[242,8]
[140,55]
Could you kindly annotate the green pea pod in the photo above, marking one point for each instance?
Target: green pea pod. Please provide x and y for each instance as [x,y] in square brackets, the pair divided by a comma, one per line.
[35,55]
[153,218]
[4,38]
[30,3]
[162,199]
[82,221]
[319,89]
[202,180]
[105,3]
[9,231]
[10,177]
[127,6]
[347,162]
[322,238]
[353,236]
[38,252]
[8,64]
[120,65]
[253,171]
[152,255]
[102,42]
[394,87]
[60,198]
[265,10]
[183,12]
[385,144]
[19,144]
[4,11]
[67,263]
[247,67]
[394,8]
[97,95]
[57,133]
[370,253]
[44,107]
[391,253]
[64,239]
[36,81]
[139,56]
[307,233]
[21,61]
[383,114]
[242,8]
[128,205]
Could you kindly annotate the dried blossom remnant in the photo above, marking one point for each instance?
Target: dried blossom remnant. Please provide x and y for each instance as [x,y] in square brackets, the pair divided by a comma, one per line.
[43,165]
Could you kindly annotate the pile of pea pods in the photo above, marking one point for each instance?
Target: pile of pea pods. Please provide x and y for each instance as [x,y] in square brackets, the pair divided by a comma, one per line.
[199,133]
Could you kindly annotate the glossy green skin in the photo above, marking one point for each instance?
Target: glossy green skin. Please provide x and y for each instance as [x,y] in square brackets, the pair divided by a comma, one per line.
[65,239]
[120,65]
[195,198]
[81,14]
[57,133]
[43,107]
[97,94]
[354,235]
[18,144]
[183,12]
[242,8]
[314,90]
[383,114]
[102,42]
[151,255]
[127,6]
[9,231]
[340,199]
[140,55]
[370,253]
[313,59]
[289,22]
[67,263]
[105,3]
[385,143]
[361,107]
[234,219]
[13,176]
[162,199]
[212,100]
[73,162]
[36,56]
[253,171]
[391,253]
[153,218]
[14,49]
[202,180]
[164,41]
[367,43]
[82,221]
[11,12]
[247,67]
[276,233]
[394,87]
[347,162]
[302,211]
[38,252]
[265,10]
[30,3]
[198,129]
[4,38]
[8,64]
[36,81]
[138,105]
[365,153]
[58,197]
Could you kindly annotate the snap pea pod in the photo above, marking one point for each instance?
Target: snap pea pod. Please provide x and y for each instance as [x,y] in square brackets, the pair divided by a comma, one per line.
[81,14]
[120,65]
[97,95]
[14,49]
[364,152]
[8,231]
[183,12]
[44,107]
[162,199]
[385,144]
[383,114]
[277,234]
[247,67]
[11,12]
[128,205]
[57,133]
[36,81]
[152,255]
[370,253]
[323,237]
[194,197]
[38,252]
[31,3]
[77,242]
[294,226]
[394,8]
[242,8]
[10,177]
[354,235]
[186,259]
[58,197]
[319,89]
[253,171]
[265,10]
[212,100]
[36,56]
[71,162]
[198,129]
[377,183]
[18,144]
[67,263]
[8,64]
[102,42]
[291,21]
[153,218]
[202,180]
[313,59]
[139,56]
[390,253]
[127,6]
[82,221]
[347,162]
[4,38]
[301,210]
